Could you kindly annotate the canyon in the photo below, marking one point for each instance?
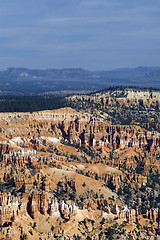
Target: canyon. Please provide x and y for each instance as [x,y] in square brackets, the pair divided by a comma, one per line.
[79,172]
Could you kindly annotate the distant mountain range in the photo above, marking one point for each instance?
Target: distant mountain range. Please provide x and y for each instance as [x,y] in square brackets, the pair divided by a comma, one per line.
[23,81]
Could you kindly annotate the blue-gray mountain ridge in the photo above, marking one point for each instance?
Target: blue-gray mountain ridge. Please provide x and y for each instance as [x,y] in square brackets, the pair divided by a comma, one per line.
[23,81]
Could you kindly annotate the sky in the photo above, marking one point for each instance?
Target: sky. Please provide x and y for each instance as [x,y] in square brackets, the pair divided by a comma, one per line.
[88,34]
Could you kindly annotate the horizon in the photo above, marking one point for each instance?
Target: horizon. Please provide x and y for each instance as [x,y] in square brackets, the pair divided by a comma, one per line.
[98,70]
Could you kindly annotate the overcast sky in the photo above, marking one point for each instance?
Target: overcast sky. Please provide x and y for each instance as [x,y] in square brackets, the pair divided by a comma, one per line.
[91,34]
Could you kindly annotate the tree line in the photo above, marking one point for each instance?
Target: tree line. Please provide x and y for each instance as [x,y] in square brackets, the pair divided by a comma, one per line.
[31,103]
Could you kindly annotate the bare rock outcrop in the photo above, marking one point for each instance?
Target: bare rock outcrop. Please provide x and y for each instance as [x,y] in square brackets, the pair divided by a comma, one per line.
[10,207]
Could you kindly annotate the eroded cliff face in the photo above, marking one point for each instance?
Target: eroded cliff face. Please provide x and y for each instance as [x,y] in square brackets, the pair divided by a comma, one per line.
[70,173]
[10,207]
[126,97]
[77,130]
[122,106]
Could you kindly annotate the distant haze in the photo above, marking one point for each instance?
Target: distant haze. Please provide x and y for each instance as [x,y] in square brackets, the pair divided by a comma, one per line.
[23,81]
[92,34]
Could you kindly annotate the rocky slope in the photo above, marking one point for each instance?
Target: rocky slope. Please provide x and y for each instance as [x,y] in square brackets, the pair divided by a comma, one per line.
[122,106]
[67,174]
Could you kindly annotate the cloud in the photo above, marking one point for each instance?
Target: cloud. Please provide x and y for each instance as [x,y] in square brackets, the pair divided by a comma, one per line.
[82,20]
[84,31]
